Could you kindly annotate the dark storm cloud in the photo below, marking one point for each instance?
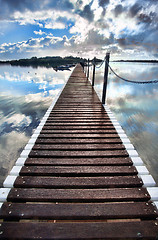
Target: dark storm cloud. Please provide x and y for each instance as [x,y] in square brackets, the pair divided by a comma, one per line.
[146,38]
[133,11]
[60,4]
[103,3]
[86,13]
[118,10]
[131,41]
[143,41]
[8,7]
[143,18]
[18,5]
[149,20]
[155,2]
[94,38]
[100,23]
[140,10]
[31,42]
[61,19]
[122,42]
[79,2]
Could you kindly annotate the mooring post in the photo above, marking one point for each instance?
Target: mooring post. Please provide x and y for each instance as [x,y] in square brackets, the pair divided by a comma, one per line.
[105,77]
[88,69]
[94,60]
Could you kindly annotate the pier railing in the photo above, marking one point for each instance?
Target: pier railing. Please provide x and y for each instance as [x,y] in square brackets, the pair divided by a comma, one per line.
[90,71]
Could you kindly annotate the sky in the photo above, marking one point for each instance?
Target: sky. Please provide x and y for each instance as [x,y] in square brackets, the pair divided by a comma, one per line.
[128,29]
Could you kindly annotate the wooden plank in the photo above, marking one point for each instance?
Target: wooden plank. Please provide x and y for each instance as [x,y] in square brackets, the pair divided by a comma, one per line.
[78,146]
[77,110]
[78,87]
[77,182]
[80,114]
[71,109]
[81,136]
[82,104]
[85,104]
[87,110]
[77,127]
[79,107]
[78,121]
[81,98]
[85,92]
[77,211]
[79,118]
[95,161]
[80,131]
[77,195]
[78,141]
[79,101]
[76,124]
[125,231]
[78,170]
[79,153]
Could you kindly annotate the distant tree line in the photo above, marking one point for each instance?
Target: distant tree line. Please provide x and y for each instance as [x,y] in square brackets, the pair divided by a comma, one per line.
[58,61]
[45,61]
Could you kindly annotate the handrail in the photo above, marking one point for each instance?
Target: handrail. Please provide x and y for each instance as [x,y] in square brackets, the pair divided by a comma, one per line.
[127,80]
[107,66]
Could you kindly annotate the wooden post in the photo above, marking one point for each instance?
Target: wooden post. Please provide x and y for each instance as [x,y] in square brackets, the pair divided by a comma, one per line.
[93,71]
[88,70]
[105,78]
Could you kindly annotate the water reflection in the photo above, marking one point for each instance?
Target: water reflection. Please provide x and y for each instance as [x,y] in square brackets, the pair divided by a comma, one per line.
[135,107]
[25,95]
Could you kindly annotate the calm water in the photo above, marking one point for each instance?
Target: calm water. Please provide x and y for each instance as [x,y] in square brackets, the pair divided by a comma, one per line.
[135,106]
[25,95]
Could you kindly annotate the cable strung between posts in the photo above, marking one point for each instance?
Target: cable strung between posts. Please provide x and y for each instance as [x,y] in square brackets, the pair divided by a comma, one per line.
[127,80]
[101,64]
[124,79]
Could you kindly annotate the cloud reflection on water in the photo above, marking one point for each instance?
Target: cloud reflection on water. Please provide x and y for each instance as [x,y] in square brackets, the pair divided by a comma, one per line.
[25,95]
[135,107]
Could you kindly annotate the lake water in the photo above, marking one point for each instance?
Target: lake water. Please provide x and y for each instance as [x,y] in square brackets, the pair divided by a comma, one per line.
[25,95]
[135,106]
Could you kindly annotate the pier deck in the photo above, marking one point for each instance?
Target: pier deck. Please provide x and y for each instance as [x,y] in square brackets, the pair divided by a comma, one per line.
[78,181]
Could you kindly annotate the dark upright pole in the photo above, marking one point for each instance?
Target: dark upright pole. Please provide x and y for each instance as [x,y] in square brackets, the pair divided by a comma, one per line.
[105,78]
[93,71]
[88,69]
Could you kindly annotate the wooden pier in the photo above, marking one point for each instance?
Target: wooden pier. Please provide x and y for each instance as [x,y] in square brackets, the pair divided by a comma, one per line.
[78,181]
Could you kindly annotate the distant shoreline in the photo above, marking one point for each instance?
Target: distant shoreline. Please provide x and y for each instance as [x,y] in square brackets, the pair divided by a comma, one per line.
[141,61]
[47,62]
[57,61]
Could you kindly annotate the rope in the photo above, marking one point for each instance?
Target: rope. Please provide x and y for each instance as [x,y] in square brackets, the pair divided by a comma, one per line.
[127,80]
[124,79]
[101,64]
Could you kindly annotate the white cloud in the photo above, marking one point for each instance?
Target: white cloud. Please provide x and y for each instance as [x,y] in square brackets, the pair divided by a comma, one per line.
[18,119]
[49,18]
[94,24]
[35,46]
[54,25]
[40,32]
